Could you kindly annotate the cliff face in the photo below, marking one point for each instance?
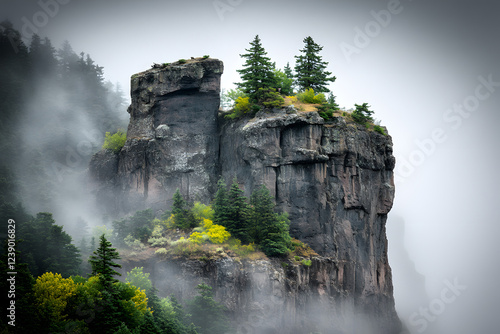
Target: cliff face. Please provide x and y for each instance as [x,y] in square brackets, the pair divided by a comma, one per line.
[172,140]
[334,180]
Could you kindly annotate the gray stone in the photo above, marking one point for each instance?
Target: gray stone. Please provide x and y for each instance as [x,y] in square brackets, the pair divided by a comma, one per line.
[334,179]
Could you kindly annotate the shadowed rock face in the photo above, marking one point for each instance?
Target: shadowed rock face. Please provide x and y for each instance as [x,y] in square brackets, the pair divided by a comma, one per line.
[172,140]
[334,180]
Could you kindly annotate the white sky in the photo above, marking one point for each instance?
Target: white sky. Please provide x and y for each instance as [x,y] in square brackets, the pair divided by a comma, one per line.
[416,66]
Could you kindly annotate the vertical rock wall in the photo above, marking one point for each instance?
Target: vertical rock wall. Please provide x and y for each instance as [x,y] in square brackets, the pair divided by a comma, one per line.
[172,140]
[335,180]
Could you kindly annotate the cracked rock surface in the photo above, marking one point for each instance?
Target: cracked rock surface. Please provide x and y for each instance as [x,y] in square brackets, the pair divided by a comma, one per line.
[335,180]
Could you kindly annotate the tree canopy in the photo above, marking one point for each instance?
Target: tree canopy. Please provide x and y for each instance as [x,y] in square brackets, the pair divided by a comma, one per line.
[257,72]
[102,262]
[311,69]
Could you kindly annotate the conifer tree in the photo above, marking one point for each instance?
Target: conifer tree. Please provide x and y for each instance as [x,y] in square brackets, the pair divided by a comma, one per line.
[362,113]
[238,213]
[183,217]
[270,230]
[311,69]
[257,72]
[221,204]
[288,70]
[102,262]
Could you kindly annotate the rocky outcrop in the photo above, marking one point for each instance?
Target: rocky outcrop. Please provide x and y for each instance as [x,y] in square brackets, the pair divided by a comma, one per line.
[335,180]
[272,296]
[172,139]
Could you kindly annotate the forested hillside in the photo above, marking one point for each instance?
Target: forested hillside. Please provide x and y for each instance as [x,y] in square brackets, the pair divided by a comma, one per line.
[55,109]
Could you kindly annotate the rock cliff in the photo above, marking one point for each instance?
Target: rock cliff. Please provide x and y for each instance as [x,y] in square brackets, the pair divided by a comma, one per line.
[335,180]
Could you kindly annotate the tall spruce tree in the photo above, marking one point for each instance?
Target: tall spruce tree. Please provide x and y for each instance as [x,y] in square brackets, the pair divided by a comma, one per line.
[102,262]
[238,213]
[257,72]
[270,230]
[221,204]
[311,69]
[183,216]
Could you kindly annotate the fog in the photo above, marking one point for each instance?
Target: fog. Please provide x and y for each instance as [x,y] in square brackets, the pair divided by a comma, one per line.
[429,70]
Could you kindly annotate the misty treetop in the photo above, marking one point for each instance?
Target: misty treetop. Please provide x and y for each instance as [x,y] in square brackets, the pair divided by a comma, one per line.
[56,107]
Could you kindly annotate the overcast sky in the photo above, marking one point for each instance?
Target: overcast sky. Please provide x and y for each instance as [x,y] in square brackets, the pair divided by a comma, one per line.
[429,69]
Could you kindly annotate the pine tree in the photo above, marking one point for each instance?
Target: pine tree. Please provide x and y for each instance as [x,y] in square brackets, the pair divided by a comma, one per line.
[183,216]
[257,72]
[362,113]
[48,248]
[310,69]
[238,213]
[221,204]
[288,70]
[102,262]
[269,229]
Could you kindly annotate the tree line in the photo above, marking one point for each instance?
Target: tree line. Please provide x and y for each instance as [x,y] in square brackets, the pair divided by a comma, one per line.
[56,107]
[253,220]
[263,85]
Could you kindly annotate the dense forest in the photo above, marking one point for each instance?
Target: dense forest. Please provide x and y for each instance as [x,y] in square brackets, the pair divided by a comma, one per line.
[55,108]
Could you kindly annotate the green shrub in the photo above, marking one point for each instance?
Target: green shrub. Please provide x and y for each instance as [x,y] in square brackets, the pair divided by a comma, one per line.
[206,56]
[306,263]
[241,107]
[362,114]
[182,61]
[310,97]
[115,142]
[158,241]
[270,98]
[379,129]
[239,249]
[134,244]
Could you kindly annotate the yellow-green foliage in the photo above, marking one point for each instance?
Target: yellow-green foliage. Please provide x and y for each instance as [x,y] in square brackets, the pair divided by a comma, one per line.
[242,105]
[138,278]
[310,97]
[52,293]
[293,99]
[196,237]
[218,234]
[301,249]
[140,300]
[115,142]
[241,250]
[306,263]
[184,248]
[161,251]
[202,211]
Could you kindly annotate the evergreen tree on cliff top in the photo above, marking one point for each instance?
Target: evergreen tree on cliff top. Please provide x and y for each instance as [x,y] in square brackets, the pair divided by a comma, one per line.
[311,69]
[257,72]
